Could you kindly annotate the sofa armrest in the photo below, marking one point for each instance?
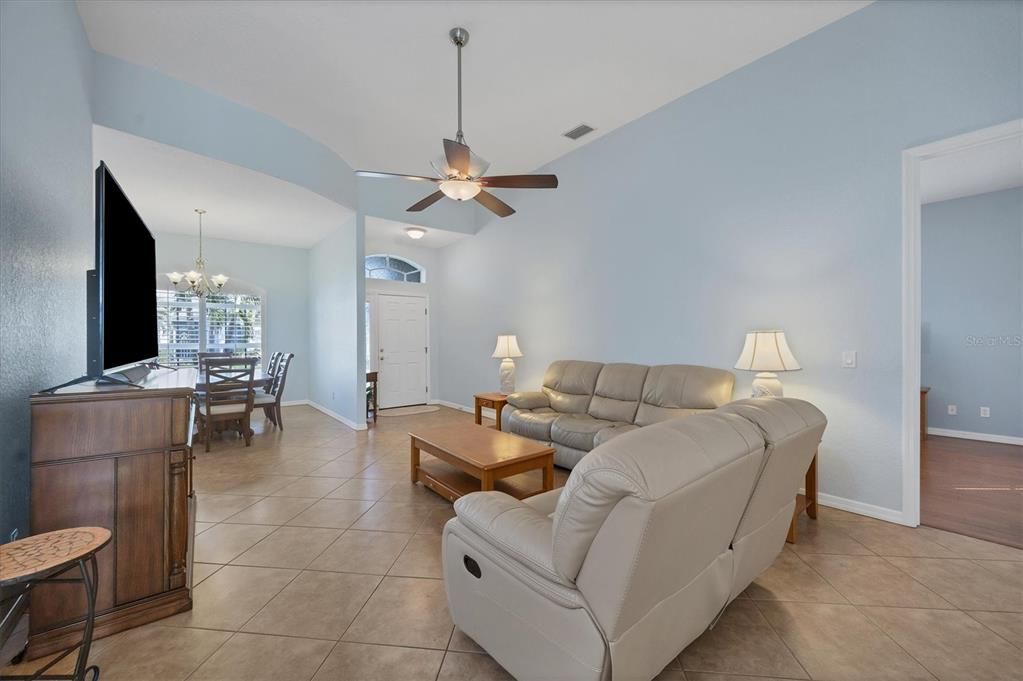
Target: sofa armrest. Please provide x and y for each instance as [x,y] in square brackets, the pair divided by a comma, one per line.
[545,502]
[512,527]
[528,400]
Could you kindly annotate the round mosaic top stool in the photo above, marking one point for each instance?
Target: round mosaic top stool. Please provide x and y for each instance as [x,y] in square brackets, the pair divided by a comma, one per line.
[44,558]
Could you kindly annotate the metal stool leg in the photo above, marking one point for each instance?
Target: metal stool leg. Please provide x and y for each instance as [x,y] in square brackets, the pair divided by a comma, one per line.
[82,668]
[91,585]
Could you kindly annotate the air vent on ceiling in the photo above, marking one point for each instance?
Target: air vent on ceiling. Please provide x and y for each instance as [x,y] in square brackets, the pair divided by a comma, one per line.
[578,131]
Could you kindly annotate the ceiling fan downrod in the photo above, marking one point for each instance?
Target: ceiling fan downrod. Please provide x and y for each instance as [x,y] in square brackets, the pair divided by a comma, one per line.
[460,37]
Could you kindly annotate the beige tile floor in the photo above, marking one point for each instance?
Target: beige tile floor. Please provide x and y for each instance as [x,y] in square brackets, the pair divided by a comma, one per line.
[317,559]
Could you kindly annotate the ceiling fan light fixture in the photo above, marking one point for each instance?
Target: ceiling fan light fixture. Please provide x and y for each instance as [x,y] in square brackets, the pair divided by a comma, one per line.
[415,232]
[460,190]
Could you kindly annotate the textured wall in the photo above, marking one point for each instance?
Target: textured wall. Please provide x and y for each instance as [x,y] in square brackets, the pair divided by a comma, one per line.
[770,198]
[281,272]
[972,252]
[46,221]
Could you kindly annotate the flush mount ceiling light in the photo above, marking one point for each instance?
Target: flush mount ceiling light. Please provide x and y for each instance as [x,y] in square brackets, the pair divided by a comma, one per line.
[196,280]
[415,232]
[461,171]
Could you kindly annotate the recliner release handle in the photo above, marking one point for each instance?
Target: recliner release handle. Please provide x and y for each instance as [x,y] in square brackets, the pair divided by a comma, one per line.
[472,567]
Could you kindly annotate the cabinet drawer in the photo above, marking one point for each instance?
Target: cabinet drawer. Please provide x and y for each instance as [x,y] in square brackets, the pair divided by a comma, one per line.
[65,430]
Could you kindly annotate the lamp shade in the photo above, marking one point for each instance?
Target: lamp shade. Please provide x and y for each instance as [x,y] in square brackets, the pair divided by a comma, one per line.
[767,351]
[507,346]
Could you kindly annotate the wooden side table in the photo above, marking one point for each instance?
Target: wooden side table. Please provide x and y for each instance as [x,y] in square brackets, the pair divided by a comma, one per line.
[45,558]
[805,502]
[495,401]
[372,405]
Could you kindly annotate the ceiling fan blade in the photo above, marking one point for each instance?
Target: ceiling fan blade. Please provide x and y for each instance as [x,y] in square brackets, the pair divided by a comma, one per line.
[373,173]
[425,203]
[457,155]
[521,181]
[494,204]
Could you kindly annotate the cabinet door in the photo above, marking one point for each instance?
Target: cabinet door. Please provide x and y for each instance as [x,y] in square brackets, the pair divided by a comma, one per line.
[141,526]
[90,486]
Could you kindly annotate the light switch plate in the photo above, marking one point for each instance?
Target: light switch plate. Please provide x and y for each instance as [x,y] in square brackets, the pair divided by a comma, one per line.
[849,359]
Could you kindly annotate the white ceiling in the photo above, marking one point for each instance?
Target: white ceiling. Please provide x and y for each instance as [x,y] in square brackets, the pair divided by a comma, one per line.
[166,184]
[375,81]
[978,170]
[381,231]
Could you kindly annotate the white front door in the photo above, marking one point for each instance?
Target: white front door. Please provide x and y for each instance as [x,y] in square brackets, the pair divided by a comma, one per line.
[402,350]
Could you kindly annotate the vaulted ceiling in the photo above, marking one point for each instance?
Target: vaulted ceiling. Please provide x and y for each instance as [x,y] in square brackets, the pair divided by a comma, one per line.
[375,81]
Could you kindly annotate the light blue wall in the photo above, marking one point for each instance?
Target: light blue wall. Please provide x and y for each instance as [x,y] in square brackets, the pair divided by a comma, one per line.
[336,297]
[282,274]
[46,222]
[146,103]
[770,198]
[972,252]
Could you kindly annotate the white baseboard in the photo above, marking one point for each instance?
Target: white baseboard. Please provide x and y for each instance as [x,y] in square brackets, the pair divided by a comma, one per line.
[294,403]
[487,413]
[852,506]
[337,417]
[983,437]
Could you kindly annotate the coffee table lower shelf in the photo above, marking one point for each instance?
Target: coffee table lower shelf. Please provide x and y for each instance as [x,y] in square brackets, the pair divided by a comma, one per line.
[451,483]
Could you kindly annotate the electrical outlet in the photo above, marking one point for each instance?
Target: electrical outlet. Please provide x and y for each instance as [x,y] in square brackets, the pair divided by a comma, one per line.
[849,359]
[985,412]
[953,410]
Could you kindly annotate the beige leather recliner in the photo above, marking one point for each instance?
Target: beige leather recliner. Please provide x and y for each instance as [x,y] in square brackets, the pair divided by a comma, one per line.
[583,404]
[655,532]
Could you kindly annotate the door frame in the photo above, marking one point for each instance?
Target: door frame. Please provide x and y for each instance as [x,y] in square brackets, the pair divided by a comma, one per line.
[912,292]
[373,298]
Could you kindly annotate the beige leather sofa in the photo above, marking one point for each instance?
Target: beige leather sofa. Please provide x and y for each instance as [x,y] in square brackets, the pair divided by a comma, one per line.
[655,532]
[583,404]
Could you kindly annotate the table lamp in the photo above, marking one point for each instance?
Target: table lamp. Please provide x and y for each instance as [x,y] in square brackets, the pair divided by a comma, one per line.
[766,352]
[507,347]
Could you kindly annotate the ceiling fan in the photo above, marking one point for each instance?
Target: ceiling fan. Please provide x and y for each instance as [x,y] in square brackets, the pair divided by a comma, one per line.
[461,172]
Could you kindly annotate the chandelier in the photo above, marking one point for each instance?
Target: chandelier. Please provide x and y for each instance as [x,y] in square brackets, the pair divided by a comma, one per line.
[196,280]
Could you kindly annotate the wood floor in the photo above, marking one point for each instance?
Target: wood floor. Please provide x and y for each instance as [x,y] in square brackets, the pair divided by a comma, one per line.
[972,488]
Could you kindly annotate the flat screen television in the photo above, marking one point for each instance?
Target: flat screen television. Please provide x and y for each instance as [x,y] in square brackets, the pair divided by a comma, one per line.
[122,297]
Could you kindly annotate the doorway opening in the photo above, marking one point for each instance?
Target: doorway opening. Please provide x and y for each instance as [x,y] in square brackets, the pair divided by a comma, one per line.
[963,334]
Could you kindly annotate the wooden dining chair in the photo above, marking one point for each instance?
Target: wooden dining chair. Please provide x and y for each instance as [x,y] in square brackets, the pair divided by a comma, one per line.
[271,369]
[203,356]
[270,401]
[229,396]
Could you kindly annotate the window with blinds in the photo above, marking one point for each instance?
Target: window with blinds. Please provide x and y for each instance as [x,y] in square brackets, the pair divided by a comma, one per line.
[177,317]
[221,321]
[234,322]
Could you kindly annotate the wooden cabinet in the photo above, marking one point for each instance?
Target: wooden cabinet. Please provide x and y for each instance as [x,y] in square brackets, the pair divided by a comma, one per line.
[115,457]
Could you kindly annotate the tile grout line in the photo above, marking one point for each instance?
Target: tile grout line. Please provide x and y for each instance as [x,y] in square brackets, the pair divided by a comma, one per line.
[780,638]
[983,624]
[874,624]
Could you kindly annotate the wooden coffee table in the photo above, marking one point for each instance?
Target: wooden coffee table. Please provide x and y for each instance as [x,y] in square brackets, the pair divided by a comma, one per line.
[473,458]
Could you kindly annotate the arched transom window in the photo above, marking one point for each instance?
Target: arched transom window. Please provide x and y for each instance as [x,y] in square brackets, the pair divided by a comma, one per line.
[393,268]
